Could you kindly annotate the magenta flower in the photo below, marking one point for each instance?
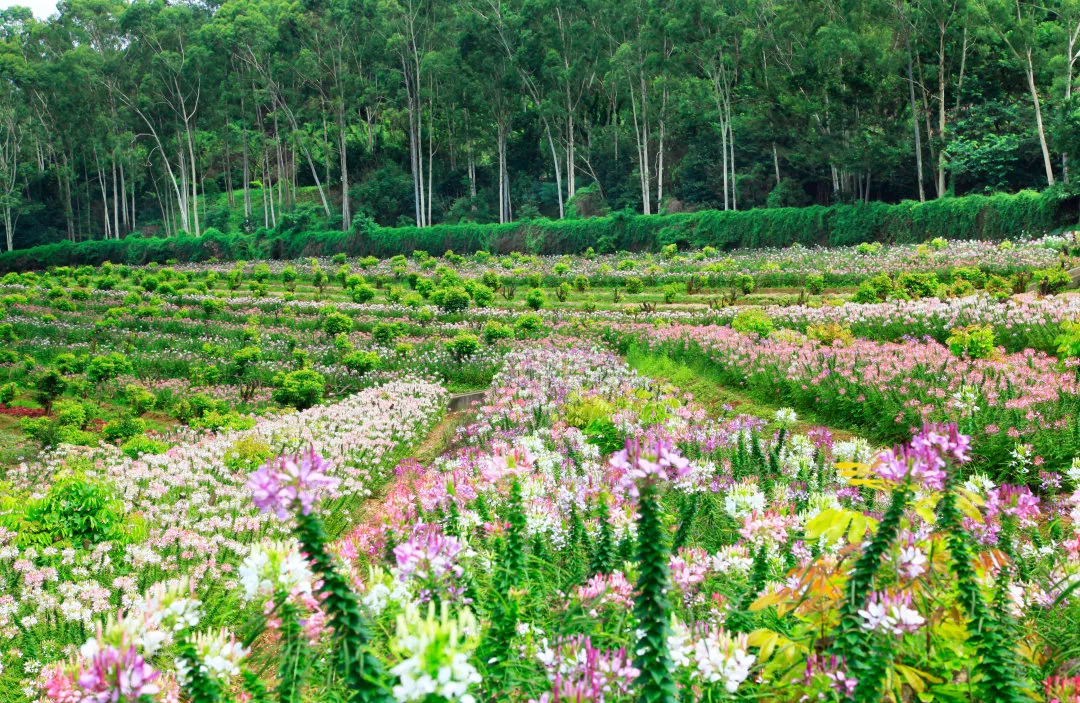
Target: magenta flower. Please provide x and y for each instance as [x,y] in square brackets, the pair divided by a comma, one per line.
[1017,501]
[924,459]
[649,463]
[832,670]
[113,675]
[431,559]
[282,482]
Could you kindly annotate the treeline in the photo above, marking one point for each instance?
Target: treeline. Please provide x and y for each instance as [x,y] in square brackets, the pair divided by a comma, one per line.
[993,217]
[174,118]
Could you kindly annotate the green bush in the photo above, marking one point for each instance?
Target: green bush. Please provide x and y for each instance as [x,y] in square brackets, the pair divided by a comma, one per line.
[535,298]
[634,285]
[976,277]
[970,217]
[495,331]
[453,300]
[384,333]
[815,283]
[462,346]
[528,326]
[361,362]
[752,321]
[141,444]
[1052,281]
[362,293]
[76,510]
[973,341]
[107,367]
[336,323]
[918,285]
[301,389]
[123,428]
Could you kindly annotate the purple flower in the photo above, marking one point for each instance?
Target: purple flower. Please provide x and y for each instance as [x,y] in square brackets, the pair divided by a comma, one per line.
[833,670]
[649,463]
[115,675]
[925,458]
[282,482]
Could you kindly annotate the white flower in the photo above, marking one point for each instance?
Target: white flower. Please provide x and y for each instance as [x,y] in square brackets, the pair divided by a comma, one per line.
[1073,472]
[786,417]
[274,566]
[436,654]
[744,499]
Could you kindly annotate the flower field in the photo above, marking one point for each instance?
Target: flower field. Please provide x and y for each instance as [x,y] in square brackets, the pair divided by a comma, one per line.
[784,475]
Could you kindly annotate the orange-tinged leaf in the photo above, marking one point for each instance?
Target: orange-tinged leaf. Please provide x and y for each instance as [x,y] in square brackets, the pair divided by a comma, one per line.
[766,600]
[765,640]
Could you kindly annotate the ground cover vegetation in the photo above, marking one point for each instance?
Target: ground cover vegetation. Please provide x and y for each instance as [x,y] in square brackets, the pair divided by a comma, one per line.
[779,474]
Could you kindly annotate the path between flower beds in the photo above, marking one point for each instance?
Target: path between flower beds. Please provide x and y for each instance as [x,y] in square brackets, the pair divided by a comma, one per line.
[439,439]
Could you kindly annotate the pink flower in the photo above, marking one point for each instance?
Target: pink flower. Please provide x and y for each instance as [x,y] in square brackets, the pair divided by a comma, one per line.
[113,675]
[925,458]
[649,464]
[279,484]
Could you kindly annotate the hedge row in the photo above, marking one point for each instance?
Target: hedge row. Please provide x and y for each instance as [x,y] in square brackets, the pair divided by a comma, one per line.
[970,217]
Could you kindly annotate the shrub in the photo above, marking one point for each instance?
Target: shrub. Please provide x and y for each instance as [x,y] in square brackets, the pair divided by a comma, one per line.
[141,444]
[362,293]
[999,287]
[1052,281]
[671,292]
[453,300]
[70,413]
[211,306]
[868,248]
[462,346]
[528,326]
[535,298]
[581,283]
[830,333]
[301,389]
[918,285]
[384,332]
[972,275]
[634,285]
[123,428]
[743,283]
[752,321]
[7,393]
[138,398]
[563,292]
[361,362]
[815,283]
[973,341]
[874,290]
[76,510]
[337,323]
[495,331]
[107,367]
[483,296]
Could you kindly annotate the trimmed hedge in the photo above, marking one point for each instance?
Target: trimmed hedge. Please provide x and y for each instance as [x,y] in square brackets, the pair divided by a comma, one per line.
[970,217]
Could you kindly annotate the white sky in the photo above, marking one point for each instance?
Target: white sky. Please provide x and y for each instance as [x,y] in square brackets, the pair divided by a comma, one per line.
[41,8]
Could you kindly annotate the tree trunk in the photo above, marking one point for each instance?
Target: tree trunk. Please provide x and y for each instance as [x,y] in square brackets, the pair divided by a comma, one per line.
[941,111]
[1038,120]
[558,170]
[915,125]
[343,160]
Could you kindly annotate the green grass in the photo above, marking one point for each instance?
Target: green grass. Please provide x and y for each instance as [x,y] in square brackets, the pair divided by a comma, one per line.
[712,394]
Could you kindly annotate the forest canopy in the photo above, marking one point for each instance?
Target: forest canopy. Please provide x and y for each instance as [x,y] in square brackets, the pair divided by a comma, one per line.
[172,119]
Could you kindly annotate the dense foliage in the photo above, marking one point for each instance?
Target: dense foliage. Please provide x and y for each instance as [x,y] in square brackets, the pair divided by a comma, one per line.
[170,118]
[972,217]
